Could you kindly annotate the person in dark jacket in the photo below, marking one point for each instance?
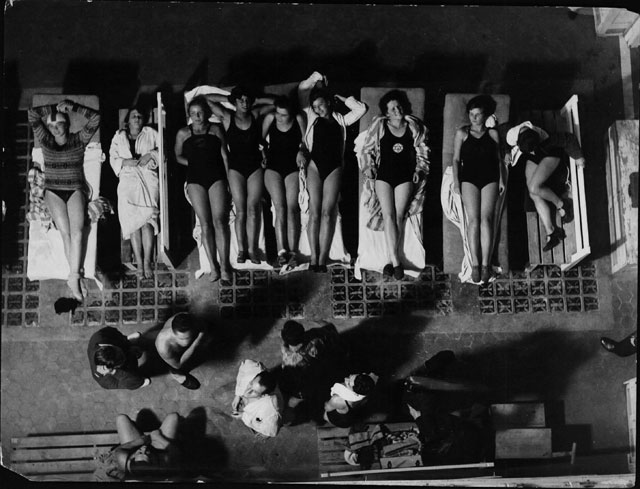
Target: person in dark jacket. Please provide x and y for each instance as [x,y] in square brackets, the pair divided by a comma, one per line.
[114,360]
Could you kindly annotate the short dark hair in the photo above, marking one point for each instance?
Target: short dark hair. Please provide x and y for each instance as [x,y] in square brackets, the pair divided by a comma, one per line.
[182,323]
[363,384]
[528,141]
[284,102]
[110,356]
[240,91]
[484,102]
[202,102]
[292,333]
[397,95]
[64,115]
[268,380]
[142,110]
[320,92]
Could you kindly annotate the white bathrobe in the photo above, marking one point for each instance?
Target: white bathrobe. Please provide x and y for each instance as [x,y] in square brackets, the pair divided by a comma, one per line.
[261,414]
[138,189]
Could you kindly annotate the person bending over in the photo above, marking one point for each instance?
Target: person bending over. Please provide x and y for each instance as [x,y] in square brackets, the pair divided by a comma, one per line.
[246,174]
[325,138]
[348,398]
[395,156]
[66,190]
[114,360]
[134,157]
[177,342]
[202,147]
[255,401]
[282,132]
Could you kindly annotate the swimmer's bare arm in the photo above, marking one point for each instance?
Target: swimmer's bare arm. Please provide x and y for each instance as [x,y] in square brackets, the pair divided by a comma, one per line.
[192,347]
[165,351]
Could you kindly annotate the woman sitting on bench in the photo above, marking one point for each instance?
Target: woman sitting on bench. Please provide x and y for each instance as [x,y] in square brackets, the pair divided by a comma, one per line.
[395,156]
[476,176]
[325,138]
[134,158]
[546,173]
[202,147]
[65,186]
[140,455]
[347,398]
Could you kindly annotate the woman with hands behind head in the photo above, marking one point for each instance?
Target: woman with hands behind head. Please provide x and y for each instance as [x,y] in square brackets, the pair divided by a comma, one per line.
[66,191]
[325,138]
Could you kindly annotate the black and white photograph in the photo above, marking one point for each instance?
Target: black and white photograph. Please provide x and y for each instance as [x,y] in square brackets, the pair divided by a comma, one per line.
[360,243]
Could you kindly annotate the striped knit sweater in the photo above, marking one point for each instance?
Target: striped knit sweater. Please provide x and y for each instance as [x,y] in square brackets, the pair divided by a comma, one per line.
[63,165]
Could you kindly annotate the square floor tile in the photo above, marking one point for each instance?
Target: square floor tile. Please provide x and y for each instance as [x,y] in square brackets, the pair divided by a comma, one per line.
[260,278]
[591,303]
[94,318]
[502,288]
[539,304]
[537,272]
[572,287]
[444,307]
[147,283]
[589,286]
[355,293]
[407,291]
[129,316]
[129,299]
[537,287]
[574,304]
[296,310]
[390,292]
[147,298]
[14,319]
[339,293]
[553,271]
[112,317]
[372,292]
[31,302]
[16,284]
[588,270]
[14,301]
[554,287]
[486,290]
[339,309]
[504,306]
[572,272]
[487,306]
[556,304]
[374,309]
[521,305]
[520,288]
[182,279]
[77,318]
[148,315]
[165,297]
[32,319]
[112,299]
[32,285]
[164,280]
[182,297]
[338,275]
[129,281]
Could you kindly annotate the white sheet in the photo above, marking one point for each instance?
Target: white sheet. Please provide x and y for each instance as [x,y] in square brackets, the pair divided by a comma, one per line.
[45,256]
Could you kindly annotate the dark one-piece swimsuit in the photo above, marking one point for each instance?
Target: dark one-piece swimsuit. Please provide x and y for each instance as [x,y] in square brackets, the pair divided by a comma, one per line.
[244,148]
[479,160]
[206,165]
[65,195]
[327,146]
[397,161]
[283,149]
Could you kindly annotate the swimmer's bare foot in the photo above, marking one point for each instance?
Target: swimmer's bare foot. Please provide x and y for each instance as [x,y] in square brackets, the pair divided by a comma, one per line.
[227,274]
[214,276]
[74,285]
[147,269]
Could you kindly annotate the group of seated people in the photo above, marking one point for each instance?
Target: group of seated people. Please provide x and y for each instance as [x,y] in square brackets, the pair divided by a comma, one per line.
[264,142]
[308,385]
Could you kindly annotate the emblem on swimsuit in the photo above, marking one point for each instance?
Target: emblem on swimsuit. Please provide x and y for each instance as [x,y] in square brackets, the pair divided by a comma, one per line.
[397,148]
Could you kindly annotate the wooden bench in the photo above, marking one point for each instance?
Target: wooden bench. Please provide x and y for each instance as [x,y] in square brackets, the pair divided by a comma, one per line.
[332,442]
[575,246]
[59,457]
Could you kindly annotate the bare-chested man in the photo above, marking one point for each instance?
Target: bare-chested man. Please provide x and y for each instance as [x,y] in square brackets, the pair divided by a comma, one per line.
[176,343]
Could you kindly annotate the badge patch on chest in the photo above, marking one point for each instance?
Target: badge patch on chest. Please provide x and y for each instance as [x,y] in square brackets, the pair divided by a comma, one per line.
[397,148]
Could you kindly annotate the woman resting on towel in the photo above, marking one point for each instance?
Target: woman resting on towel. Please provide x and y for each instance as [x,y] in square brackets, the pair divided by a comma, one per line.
[476,175]
[395,157]
[348,398]
[285,155]
[66,191]
[246,174]
[325,138]
[202,147]
[134,158]
[546,173]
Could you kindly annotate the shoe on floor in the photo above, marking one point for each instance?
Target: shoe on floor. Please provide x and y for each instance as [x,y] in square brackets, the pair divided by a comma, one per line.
[282,259]
[398,272]
[242,257]
[322,269]
[387,271]
[191,383]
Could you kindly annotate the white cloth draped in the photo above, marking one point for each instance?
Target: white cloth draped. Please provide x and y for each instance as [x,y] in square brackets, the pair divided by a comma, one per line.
[138,188]
[261,414]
